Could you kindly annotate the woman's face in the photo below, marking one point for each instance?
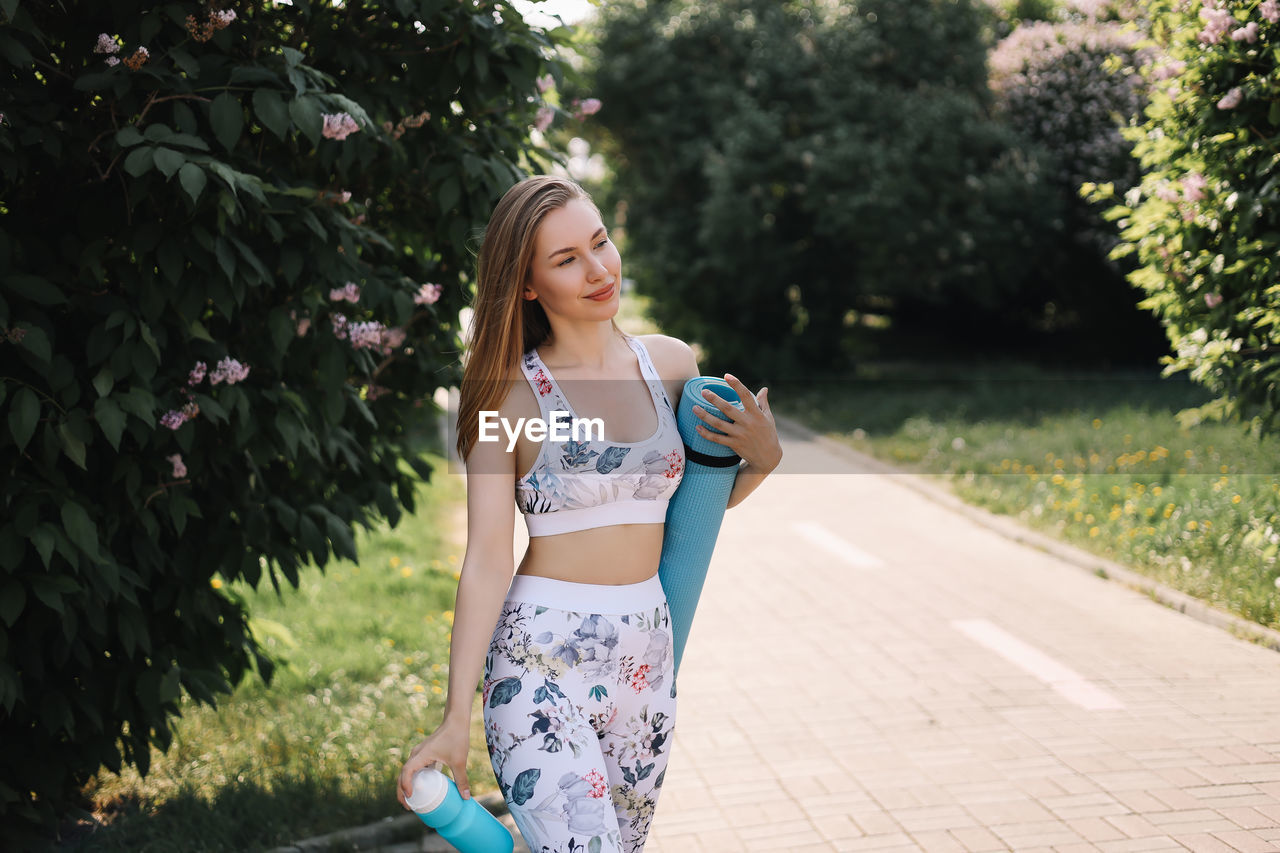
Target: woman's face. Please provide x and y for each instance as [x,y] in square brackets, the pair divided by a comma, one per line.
[574,258]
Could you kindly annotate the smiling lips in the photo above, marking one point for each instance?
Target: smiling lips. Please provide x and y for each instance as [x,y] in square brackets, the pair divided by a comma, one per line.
[601,295]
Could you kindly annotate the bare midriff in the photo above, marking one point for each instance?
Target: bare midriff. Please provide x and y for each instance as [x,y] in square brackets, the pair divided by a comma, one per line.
[616,554]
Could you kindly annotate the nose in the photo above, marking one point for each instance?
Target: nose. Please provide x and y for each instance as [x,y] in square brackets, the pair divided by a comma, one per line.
[596,269]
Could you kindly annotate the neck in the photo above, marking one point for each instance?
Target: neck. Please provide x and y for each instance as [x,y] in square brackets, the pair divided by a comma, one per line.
[590,347]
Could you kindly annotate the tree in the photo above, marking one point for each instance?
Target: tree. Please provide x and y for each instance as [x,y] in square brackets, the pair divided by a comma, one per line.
[1205,220]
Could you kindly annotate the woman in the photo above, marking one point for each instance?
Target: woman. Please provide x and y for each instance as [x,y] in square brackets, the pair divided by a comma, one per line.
[578,687]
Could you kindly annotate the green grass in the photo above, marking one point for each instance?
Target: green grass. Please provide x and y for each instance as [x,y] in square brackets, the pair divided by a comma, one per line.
[1096,459]
[364,652]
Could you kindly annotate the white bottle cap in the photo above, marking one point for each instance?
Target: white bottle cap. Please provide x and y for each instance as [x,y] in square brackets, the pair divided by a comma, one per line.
[429,789]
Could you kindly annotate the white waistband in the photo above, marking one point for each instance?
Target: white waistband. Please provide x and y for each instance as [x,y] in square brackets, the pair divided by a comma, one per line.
[631,511]
[588,597]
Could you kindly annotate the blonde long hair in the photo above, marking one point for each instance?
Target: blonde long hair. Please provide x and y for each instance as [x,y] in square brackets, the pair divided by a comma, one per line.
[503,325]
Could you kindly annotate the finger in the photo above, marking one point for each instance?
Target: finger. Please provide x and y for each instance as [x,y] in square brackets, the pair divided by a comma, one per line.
[460,779]
[736,384]
[712,398]
[709,435]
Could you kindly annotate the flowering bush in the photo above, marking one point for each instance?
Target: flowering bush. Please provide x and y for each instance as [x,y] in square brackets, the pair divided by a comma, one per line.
[188,195]
[1058,84]
[1204,223]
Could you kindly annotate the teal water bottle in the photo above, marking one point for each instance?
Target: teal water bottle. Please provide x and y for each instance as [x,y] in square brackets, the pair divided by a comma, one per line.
[465,824]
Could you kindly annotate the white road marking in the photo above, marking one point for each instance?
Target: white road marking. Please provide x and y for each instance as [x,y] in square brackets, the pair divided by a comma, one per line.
[1063,679]
[823,538]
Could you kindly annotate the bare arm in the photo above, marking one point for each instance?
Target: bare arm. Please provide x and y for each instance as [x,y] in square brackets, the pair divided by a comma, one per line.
[486,574]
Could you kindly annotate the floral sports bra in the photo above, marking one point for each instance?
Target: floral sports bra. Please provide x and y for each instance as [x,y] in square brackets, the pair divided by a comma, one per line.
[576,485]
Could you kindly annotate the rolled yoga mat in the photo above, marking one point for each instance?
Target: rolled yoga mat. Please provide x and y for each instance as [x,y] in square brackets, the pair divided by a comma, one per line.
[697,507]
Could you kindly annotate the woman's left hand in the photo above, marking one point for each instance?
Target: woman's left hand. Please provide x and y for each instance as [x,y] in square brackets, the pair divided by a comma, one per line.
[753,434]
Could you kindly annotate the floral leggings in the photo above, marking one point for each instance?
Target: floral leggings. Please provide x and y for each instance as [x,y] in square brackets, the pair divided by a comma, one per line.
[579,707]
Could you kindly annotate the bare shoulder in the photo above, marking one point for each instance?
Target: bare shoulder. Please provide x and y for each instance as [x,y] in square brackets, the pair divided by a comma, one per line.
[674,359]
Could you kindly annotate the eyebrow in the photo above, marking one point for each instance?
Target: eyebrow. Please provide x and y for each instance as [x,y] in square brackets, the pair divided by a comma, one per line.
[599,231]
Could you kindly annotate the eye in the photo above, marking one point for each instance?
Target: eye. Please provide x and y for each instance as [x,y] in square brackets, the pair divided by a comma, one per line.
[602,242]
[565,261]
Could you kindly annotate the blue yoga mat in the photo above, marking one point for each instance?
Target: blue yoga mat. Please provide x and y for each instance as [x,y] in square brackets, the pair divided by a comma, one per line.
[696,508]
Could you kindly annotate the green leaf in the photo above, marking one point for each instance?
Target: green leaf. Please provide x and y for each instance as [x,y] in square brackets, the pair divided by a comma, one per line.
[340,534]
[43,538]
[111,419]
[272,111]
[308,117]
[200,332]
[226,258]
[128,136]
[187,140]
[37,343]
[139,161]
[157,132]
[169,685]
[450,193]
[12,599]
[16,52]
[39,290]
[9,7]
[24,412]
[72,446]
[80,528]
[145,331]
[227,117]
[104,381]
[47,591]
[193,179]
[169,161]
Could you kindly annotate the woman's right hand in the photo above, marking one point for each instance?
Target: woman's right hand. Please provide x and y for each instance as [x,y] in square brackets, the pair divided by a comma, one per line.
[449,744]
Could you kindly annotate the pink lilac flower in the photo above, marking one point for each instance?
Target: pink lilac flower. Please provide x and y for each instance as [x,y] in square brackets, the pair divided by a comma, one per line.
[350,292]
[392,338]
[197,373]
[589,107]
[173,419]
[113,61]
[1249,32]
[346,196]
[428,294]
[1193,186]
[1165,192]
[340,326]
[225,17]
[545,82]
[339,126]
[106,44]
[303,325]
[1231,99]
[545,116]
[1270,10]
[1170,69]
[179,469]
[229,370]
[366,335]
[1213,300]
[1217,22]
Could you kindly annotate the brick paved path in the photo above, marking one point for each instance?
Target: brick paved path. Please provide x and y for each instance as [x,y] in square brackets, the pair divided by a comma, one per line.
[870,670]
